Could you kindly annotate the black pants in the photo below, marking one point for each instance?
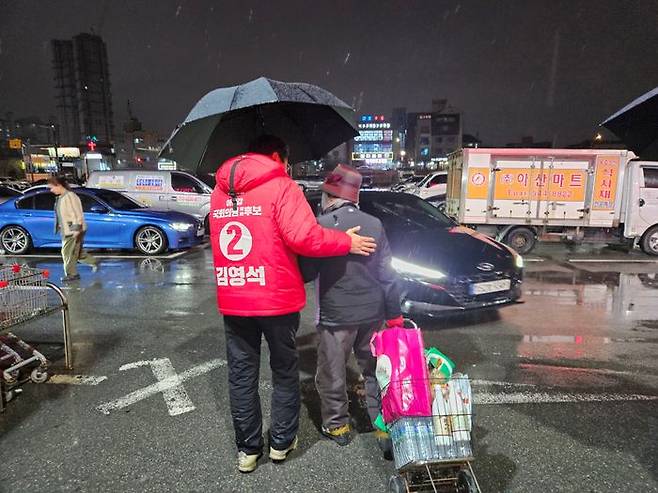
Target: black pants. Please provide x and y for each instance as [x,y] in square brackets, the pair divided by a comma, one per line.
[243,341]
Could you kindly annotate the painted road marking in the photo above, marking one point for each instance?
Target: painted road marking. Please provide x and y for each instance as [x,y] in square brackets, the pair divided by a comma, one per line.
[75,380]
[613,261]
[108,256]
[498,383]
[176,398]
[578,369]
[170,256]
[546,398]
[160,386]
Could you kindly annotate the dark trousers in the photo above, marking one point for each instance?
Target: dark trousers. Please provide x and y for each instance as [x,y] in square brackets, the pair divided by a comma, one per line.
[336,344]
[243,341]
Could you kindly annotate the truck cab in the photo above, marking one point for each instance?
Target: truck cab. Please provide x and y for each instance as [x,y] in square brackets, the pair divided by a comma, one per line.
[641,214]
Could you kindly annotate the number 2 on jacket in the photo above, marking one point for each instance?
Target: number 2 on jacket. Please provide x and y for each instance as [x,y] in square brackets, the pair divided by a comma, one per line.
[237,234]
[235,241]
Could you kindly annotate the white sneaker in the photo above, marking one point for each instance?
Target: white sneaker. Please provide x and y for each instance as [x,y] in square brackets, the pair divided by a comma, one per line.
[246,462]
[280,455]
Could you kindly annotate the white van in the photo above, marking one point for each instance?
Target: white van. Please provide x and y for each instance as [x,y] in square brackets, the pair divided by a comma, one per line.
[163,190]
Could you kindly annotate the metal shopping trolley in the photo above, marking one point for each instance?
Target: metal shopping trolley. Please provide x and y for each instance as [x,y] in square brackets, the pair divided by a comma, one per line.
[434,453]
[24,296]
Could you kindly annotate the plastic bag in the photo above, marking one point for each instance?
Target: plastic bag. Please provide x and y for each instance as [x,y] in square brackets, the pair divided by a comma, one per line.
[402,373]
[436,359]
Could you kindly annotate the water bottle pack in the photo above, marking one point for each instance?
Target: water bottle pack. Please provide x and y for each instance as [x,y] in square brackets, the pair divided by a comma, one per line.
[446,435]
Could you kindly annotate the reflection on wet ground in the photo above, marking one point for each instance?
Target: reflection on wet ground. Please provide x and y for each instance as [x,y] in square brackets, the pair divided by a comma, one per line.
[552,378]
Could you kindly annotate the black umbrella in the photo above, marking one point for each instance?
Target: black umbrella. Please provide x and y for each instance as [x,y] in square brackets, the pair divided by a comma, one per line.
[223,123]
[636,124]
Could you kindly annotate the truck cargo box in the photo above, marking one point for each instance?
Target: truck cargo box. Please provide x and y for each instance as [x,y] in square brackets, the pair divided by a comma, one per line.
[567,187]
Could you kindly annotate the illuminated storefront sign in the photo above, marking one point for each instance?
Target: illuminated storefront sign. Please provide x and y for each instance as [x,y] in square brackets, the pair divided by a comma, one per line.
[374,144]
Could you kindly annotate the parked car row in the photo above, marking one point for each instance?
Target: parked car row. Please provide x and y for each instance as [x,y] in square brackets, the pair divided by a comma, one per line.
[115,220]
[7,193]
[14,183]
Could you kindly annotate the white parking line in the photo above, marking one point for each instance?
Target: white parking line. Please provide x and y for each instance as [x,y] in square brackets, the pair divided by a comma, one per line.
[75,380]
[613,261]
[497,383]
[161,386]
[109,256]
[116,256]
[546,398]
[177,399]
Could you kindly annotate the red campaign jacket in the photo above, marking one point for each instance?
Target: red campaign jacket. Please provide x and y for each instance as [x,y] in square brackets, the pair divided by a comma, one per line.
[257,233]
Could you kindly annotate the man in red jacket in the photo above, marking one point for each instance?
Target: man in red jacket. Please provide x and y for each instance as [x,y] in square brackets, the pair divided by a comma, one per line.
[260,222]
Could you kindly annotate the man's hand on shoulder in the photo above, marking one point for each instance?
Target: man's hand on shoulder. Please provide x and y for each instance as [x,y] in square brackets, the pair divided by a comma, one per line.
[361,245]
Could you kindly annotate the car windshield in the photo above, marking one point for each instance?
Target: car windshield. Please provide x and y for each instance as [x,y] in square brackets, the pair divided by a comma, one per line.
[424,180]
[117,200]
[405,213]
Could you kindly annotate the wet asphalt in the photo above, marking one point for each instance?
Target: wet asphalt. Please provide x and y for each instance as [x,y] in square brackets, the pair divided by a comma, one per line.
[567,385]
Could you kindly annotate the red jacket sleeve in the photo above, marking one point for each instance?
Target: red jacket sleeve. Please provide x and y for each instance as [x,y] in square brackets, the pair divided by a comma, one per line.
[300,229]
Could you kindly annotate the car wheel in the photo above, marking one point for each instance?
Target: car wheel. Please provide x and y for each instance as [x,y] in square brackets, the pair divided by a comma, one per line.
[15,240]
[150,240]
[521,239]
[396,484]
[649,241]
[466,483]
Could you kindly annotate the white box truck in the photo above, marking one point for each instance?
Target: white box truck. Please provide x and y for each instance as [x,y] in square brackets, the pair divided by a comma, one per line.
[522,196]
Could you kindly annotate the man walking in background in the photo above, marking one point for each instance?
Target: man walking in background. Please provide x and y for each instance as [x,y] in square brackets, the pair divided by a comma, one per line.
[355,295]
[70,223]
[260,221]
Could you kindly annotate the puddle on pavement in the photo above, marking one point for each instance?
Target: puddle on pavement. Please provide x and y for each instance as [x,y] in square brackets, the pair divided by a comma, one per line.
[620,295]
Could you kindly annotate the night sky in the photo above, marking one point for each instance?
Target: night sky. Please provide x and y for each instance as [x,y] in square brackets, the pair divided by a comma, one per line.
[552,69]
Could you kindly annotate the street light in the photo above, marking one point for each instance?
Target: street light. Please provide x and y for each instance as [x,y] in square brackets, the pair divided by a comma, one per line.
[598,137]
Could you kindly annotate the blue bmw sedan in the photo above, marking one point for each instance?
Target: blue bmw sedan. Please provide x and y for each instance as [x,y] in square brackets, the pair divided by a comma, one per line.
[114,221]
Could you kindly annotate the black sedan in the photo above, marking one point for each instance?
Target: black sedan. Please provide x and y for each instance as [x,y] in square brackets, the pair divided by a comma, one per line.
[442,266]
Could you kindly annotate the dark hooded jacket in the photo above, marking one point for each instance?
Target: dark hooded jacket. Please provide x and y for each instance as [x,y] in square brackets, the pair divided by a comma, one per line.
[354,290]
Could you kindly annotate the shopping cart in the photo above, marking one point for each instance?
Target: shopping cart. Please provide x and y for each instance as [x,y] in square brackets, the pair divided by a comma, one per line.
[434,453]
[24,296]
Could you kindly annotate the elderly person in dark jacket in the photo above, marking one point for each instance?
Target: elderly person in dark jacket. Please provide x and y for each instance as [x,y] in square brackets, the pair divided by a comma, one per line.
[356,295]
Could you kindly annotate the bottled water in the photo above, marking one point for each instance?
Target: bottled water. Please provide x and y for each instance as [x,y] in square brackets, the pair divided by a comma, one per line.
[425,438]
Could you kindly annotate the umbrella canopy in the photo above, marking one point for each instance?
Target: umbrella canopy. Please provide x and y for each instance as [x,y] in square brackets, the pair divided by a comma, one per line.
[223,123]
[636,124]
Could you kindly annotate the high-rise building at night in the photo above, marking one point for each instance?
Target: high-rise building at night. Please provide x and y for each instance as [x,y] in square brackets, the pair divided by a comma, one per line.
[431,136]
[82,89]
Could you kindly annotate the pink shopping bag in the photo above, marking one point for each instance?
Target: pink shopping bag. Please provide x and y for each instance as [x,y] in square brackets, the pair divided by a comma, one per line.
[402,373]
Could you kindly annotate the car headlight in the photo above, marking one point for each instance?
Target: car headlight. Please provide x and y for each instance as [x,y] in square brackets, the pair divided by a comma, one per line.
[181,226]
[416,270]
[518,261]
